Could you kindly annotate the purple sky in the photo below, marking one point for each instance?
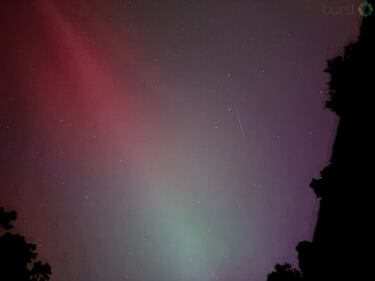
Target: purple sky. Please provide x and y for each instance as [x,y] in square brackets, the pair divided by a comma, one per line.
[166,140]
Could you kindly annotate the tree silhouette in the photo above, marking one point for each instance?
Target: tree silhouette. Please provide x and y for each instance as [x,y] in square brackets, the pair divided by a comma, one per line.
[284,272]
[343,239]
[18,257]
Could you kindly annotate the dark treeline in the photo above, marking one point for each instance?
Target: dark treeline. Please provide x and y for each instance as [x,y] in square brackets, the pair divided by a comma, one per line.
[341,248]
[18,257]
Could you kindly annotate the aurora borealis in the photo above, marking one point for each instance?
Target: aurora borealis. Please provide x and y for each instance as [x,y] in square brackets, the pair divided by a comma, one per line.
[166,140]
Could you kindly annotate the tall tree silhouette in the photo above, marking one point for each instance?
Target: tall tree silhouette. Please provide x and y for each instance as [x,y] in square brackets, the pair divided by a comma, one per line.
[18,257]
[342,240]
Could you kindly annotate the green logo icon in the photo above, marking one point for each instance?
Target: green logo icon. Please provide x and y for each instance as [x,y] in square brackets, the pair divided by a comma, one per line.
[365,9]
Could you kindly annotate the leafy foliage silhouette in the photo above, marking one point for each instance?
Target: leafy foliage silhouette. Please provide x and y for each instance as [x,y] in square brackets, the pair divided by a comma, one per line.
[18,257]
[284,272]
[342,236]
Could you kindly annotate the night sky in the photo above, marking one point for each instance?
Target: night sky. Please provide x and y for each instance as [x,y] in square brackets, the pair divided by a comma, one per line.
[166,140]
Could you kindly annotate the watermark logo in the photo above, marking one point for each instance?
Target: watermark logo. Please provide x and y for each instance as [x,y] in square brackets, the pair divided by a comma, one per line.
[347,10]
[365,9]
